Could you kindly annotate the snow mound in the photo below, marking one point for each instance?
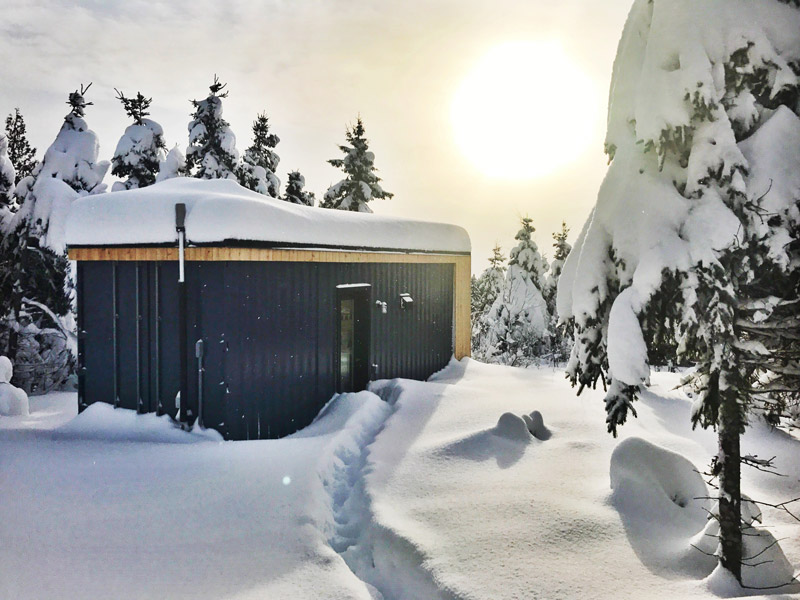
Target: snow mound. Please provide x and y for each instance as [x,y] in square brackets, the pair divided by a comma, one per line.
[662,500]
[764,565]
[506,442]
[13,400]
[221,210]
[101,421]
[6,369]
[773,571]
[535,424]
[657,484]
[512,427]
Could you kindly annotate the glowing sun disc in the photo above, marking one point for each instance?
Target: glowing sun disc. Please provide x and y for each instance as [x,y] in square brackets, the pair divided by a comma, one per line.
[525,110]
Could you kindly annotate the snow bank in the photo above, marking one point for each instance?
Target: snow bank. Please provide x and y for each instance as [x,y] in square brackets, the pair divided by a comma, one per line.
[221,210]
[13,400]
[101,421]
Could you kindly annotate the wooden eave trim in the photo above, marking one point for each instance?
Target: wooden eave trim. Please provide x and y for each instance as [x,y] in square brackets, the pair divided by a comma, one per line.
[211,253]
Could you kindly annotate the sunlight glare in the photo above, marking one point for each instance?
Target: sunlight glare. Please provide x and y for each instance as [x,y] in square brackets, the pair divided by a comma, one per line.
[524,110]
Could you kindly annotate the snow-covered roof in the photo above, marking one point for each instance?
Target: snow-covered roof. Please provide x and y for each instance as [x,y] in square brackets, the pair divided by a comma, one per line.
[221,211]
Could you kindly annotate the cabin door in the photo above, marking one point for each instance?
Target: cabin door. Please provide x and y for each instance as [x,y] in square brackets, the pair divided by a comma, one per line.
[352,340]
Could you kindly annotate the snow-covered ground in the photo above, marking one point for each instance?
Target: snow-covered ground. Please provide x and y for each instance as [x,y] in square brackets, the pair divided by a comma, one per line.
[117,506]
[422,496]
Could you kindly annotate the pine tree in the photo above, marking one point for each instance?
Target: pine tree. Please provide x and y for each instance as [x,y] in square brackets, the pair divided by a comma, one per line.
[695,226]
[516,323]
[560,336]
[33,248]
[212,150]
[526,255]
[295,192]
[140,149]
[490,282]
[485,290]
[562,250]
[257,170]
[361,184]
[7,179]
[20,152]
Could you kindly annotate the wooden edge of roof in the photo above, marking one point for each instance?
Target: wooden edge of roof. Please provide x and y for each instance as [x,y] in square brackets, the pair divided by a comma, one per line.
[216,253]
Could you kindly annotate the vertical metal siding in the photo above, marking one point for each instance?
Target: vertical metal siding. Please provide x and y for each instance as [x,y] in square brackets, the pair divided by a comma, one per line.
[96,319]
[269,331]
[166,342]
[126,328]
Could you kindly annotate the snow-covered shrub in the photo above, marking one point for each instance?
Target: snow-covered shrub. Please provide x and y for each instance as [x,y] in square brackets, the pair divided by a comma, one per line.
[361,184]
[13,401]
[43,358]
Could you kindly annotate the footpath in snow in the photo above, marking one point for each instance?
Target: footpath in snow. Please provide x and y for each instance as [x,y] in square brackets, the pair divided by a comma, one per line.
[413,490]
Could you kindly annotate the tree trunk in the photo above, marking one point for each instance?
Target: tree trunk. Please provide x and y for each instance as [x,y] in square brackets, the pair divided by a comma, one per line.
[730,495]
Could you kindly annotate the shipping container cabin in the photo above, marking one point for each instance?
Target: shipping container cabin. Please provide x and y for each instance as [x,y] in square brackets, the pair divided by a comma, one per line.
[203,300]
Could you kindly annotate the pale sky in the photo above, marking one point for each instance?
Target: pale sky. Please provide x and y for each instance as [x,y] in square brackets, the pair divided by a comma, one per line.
[314,66]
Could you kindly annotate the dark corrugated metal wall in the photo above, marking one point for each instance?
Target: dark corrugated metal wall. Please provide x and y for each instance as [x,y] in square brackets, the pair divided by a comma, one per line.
[268,331]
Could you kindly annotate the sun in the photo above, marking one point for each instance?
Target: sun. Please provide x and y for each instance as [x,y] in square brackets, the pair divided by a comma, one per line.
[525,110]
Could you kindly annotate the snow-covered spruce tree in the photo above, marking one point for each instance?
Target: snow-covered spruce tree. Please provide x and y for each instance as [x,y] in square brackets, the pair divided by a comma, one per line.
[257,171]
[361,184]
[699,204]
[7,180]
[7,206]
[561,250]
[484,292]
[560,338]
[295,192]
[20,152]
[516,323]
[212,152]
[37,266]
[173,165]
[141,148]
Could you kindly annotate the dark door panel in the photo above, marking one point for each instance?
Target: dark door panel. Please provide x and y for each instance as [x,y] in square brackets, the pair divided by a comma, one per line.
[353,336]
